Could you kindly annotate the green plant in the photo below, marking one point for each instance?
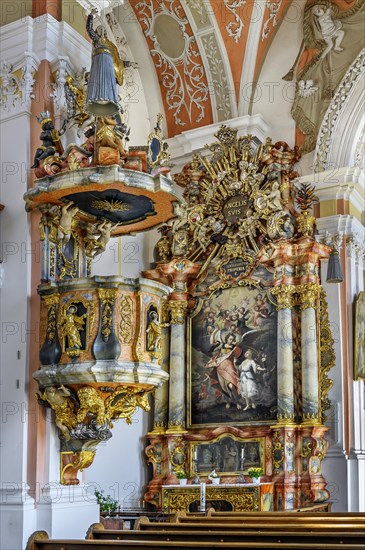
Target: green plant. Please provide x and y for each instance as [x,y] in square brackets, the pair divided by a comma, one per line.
[180,474]
[106,503]
[213,474]
[255,472]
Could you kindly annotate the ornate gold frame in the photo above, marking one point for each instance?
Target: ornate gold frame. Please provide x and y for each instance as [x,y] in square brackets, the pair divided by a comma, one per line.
[243,440]
[359,340]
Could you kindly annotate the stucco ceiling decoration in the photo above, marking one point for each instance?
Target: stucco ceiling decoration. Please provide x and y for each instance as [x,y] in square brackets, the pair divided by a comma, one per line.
[235,27]
[180,69]
[215,59]
[270,21]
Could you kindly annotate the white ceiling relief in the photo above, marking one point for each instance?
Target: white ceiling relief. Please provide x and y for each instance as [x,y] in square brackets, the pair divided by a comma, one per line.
[235,28]
[271,21]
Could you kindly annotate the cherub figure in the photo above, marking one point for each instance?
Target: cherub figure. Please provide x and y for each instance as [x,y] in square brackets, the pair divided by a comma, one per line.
[105,228]
[274,197]
[68,212]
[181,220]
[329,27]
[97,237]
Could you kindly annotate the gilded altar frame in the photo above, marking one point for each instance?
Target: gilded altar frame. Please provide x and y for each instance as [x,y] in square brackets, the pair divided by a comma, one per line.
[261,340]
[233,452]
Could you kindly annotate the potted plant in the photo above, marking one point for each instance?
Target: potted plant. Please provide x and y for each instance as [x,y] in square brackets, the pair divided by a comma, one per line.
[182,477]
[214,477]
[106,503]
[255,474]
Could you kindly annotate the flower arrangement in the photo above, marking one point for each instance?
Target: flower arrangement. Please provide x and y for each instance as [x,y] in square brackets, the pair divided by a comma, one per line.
[106,503]
[255,472]
[213,474]
[181,474]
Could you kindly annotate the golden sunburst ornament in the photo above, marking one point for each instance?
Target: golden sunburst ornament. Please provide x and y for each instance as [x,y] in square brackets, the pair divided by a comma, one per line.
[110,206]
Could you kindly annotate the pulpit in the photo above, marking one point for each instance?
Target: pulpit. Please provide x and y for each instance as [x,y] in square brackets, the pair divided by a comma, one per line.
[245,497]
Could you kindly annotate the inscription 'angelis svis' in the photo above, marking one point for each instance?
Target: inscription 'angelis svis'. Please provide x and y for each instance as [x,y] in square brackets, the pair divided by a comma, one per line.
[235,208]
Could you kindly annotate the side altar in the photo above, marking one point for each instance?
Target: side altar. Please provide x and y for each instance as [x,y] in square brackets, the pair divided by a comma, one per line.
[245,335]
[248,497]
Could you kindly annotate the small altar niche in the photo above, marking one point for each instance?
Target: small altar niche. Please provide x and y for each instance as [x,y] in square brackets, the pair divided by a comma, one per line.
[246,335]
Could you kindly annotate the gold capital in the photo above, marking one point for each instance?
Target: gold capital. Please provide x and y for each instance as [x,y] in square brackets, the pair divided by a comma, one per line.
[308,295]
[177,311]
[51,300]
[284,296]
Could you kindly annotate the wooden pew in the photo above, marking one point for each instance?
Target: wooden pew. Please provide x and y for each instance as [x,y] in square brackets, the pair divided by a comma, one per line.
[275,518]
[267,525]
[288,513]
[40,541]
[96,532]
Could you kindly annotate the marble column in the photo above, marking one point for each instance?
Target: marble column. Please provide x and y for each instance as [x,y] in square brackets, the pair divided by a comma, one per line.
[162,393]
[177,367]
[284,295]
[310,372]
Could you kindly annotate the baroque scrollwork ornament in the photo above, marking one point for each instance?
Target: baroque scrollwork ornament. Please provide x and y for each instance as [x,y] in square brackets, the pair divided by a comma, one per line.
[236,200]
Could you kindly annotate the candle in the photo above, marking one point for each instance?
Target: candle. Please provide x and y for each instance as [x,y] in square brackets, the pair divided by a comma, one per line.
[242,453]
[202,497]
[195,454]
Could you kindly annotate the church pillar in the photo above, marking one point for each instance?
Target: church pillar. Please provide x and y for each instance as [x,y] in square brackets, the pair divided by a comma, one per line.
[284,296]
[176,422]
[162,393]
[308,301]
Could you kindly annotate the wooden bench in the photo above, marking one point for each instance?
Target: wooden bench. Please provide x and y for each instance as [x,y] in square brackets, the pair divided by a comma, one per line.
[210,524]
[96,532]
[272,518]
[40,541]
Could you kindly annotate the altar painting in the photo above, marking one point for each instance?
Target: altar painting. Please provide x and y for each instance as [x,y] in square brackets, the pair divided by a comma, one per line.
[229,455]
[233,354]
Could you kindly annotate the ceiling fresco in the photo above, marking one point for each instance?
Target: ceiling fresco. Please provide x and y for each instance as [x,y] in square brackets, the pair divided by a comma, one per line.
[208,56]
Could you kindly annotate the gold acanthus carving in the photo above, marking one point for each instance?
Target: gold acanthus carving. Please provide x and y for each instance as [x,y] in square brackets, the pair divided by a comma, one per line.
[308,295]
[153,455]
[165,314]
[51,299]
[107,294]
[178,310]
[327,356]
[126,318]
[51,303]
[107,299]
[285,296]
[242,500]
[306,224]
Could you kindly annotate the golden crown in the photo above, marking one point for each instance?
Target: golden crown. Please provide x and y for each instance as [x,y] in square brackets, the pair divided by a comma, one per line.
[44,117]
